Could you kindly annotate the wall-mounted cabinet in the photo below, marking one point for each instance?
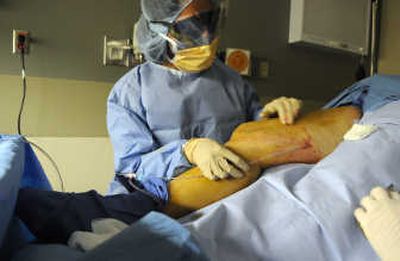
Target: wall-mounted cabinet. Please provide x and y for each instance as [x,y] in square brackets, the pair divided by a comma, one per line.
[338,24]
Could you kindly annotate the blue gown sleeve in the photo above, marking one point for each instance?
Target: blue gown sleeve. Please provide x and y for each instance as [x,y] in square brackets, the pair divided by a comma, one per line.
[253,104]
[135,148]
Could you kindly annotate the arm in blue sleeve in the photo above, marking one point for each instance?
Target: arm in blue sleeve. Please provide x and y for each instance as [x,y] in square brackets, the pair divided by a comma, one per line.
[252,102]
[136,150]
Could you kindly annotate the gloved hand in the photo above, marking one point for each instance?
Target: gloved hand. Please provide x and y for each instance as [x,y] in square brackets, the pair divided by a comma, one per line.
[286,108]
[214,160]
[379,218]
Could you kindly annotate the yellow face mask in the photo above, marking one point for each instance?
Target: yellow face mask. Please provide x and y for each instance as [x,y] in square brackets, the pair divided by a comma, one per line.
[196,59]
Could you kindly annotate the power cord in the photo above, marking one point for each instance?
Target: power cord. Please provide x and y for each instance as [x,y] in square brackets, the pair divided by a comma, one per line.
[22,47]
[53,163]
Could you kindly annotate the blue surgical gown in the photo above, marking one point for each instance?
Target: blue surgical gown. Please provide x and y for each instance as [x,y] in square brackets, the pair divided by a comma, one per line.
[153,110]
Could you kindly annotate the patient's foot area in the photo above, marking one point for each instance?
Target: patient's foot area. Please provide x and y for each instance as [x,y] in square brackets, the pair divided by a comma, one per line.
[379,218]
[53,216]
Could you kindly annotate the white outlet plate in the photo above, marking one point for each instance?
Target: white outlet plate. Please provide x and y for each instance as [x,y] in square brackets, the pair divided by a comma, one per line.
[17,33]
[264,69]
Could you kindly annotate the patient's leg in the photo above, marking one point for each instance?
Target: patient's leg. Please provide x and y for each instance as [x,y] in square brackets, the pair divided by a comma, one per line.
[264,143]
[268,142]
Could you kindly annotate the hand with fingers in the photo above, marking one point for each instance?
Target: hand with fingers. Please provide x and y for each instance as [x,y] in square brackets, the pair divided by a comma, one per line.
[379,218]
[214,160]
[287,109]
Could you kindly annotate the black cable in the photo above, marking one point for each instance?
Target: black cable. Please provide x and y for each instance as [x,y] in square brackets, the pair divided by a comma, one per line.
[131,184]
[21,109]
[51,160]
[21,47]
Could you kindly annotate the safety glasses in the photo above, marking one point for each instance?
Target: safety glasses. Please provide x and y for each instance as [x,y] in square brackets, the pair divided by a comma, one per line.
[197,30]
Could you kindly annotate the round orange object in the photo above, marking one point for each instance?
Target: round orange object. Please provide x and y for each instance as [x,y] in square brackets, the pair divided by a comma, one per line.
[238,61]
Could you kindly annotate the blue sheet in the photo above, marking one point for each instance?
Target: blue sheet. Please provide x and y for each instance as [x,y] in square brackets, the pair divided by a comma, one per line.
[154,237]
[11,169]
[305,212]
[19,167]
[370,93]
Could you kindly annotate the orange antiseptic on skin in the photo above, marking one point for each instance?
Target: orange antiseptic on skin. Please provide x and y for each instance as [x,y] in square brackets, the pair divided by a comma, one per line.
[264,143]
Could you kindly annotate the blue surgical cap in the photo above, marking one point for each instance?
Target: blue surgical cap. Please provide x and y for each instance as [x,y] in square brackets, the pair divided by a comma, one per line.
[150,43]
[163,10]
[153,24]
[156,15]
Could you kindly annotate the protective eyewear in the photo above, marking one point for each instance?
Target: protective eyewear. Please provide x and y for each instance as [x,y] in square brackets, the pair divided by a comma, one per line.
[197,30]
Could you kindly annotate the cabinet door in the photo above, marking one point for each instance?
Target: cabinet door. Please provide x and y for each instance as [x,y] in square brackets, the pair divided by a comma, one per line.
[339,24]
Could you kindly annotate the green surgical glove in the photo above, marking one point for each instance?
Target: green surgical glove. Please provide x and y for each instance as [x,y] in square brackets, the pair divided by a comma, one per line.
[379,218]
[287,109]
[214,160]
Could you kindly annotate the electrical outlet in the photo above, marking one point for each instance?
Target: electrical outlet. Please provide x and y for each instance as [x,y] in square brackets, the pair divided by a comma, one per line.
[264,69]
[16,34]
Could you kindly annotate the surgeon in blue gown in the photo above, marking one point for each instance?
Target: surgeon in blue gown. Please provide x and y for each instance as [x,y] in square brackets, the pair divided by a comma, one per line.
[177,109]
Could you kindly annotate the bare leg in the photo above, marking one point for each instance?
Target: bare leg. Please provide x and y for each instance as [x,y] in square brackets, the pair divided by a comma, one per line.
[264,143]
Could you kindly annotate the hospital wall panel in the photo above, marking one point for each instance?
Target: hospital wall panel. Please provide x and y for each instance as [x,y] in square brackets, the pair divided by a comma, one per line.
[84,163]
[54,107]
[389,62]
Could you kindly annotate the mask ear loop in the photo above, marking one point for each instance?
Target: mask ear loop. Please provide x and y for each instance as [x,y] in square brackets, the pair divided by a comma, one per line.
[173,45]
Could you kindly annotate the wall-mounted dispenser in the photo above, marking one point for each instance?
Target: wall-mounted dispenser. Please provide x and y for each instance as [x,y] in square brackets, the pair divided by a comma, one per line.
[123,52]
[117,52]
[120,52]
